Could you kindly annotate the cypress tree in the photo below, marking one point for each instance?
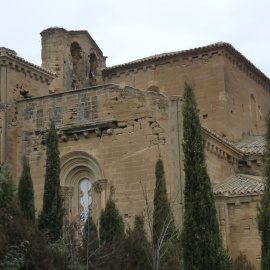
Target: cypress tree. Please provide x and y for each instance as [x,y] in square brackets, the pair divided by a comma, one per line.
[26,193]
[202,245]
[90,242]
[7,185]
[163,221]
[264,208]
[111,223]
[51,217]
[136,247]
[164,242]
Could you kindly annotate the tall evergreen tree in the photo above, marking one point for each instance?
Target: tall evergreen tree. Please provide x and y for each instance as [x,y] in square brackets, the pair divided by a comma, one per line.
[51,217]
[136,247]
[7,185]
[111,223]
[164,237]
[264,208]
[163,221]
[90,242]
[26,193]
[202,244]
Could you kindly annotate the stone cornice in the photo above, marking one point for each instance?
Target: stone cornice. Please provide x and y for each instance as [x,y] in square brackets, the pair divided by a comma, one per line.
[19,64]
[225,147]
[197,54]
[66,132]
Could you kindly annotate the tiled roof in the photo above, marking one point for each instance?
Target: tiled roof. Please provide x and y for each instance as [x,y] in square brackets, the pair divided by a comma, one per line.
[170,54]
[8,52]
[206,129]
[252,145]
[189,52]
[240,184]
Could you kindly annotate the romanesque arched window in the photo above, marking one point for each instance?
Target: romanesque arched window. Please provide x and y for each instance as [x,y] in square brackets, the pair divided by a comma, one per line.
[83,186]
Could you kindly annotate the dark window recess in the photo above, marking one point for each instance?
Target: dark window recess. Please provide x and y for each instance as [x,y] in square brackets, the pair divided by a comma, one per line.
[93,65]
[153,88]
[205,116]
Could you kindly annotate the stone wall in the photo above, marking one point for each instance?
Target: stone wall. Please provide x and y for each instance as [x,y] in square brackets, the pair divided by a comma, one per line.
[169,76]
[237,216]
[18,80]
[229,89]
[247,101]
[120,131]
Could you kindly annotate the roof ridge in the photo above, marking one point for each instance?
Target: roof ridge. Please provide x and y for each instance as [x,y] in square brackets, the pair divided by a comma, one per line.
[5,52]
[168,54]
[216,45]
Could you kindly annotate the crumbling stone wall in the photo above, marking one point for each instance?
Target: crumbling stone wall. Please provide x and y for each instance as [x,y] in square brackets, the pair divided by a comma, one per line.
[124,129]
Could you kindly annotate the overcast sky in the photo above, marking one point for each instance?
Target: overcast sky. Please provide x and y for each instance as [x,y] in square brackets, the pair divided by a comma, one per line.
[126,30]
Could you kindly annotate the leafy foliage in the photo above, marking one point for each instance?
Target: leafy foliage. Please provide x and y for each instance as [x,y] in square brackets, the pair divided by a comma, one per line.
[51,217]
[202,245]
[7,185]
[242,263]
[264,208]
[26,193]
[21,246]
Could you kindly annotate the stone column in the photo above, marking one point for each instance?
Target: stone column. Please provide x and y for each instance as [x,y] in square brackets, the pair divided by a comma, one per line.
[100,188]
[67,193]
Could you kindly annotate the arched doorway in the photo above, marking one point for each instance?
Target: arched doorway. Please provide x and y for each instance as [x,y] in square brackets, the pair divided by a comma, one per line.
[83,186]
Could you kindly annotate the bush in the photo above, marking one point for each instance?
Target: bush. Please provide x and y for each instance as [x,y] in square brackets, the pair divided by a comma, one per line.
[242,263]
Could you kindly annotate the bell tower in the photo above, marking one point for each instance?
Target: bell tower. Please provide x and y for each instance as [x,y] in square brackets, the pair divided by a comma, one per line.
[75,58]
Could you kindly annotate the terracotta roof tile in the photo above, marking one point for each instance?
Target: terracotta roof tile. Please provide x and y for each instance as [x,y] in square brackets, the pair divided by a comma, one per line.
[169,54]
[252,145]
[193,51]
[240,184]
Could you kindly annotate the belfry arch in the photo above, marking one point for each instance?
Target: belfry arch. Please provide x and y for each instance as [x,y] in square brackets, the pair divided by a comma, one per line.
[83,185]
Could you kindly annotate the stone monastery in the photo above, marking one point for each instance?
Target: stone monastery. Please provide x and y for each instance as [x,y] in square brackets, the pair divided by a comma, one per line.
[115,122]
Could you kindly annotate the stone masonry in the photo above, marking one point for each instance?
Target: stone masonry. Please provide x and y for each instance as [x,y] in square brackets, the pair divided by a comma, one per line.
[115,122]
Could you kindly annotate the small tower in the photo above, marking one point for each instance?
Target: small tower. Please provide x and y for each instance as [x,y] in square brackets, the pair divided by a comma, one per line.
[75,58]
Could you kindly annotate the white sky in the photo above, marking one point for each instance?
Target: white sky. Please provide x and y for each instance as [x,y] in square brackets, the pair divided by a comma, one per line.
[126,30]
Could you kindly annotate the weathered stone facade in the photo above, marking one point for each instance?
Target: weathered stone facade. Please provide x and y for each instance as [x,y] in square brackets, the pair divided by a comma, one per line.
[228,86]
[114,123]
[120,132]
